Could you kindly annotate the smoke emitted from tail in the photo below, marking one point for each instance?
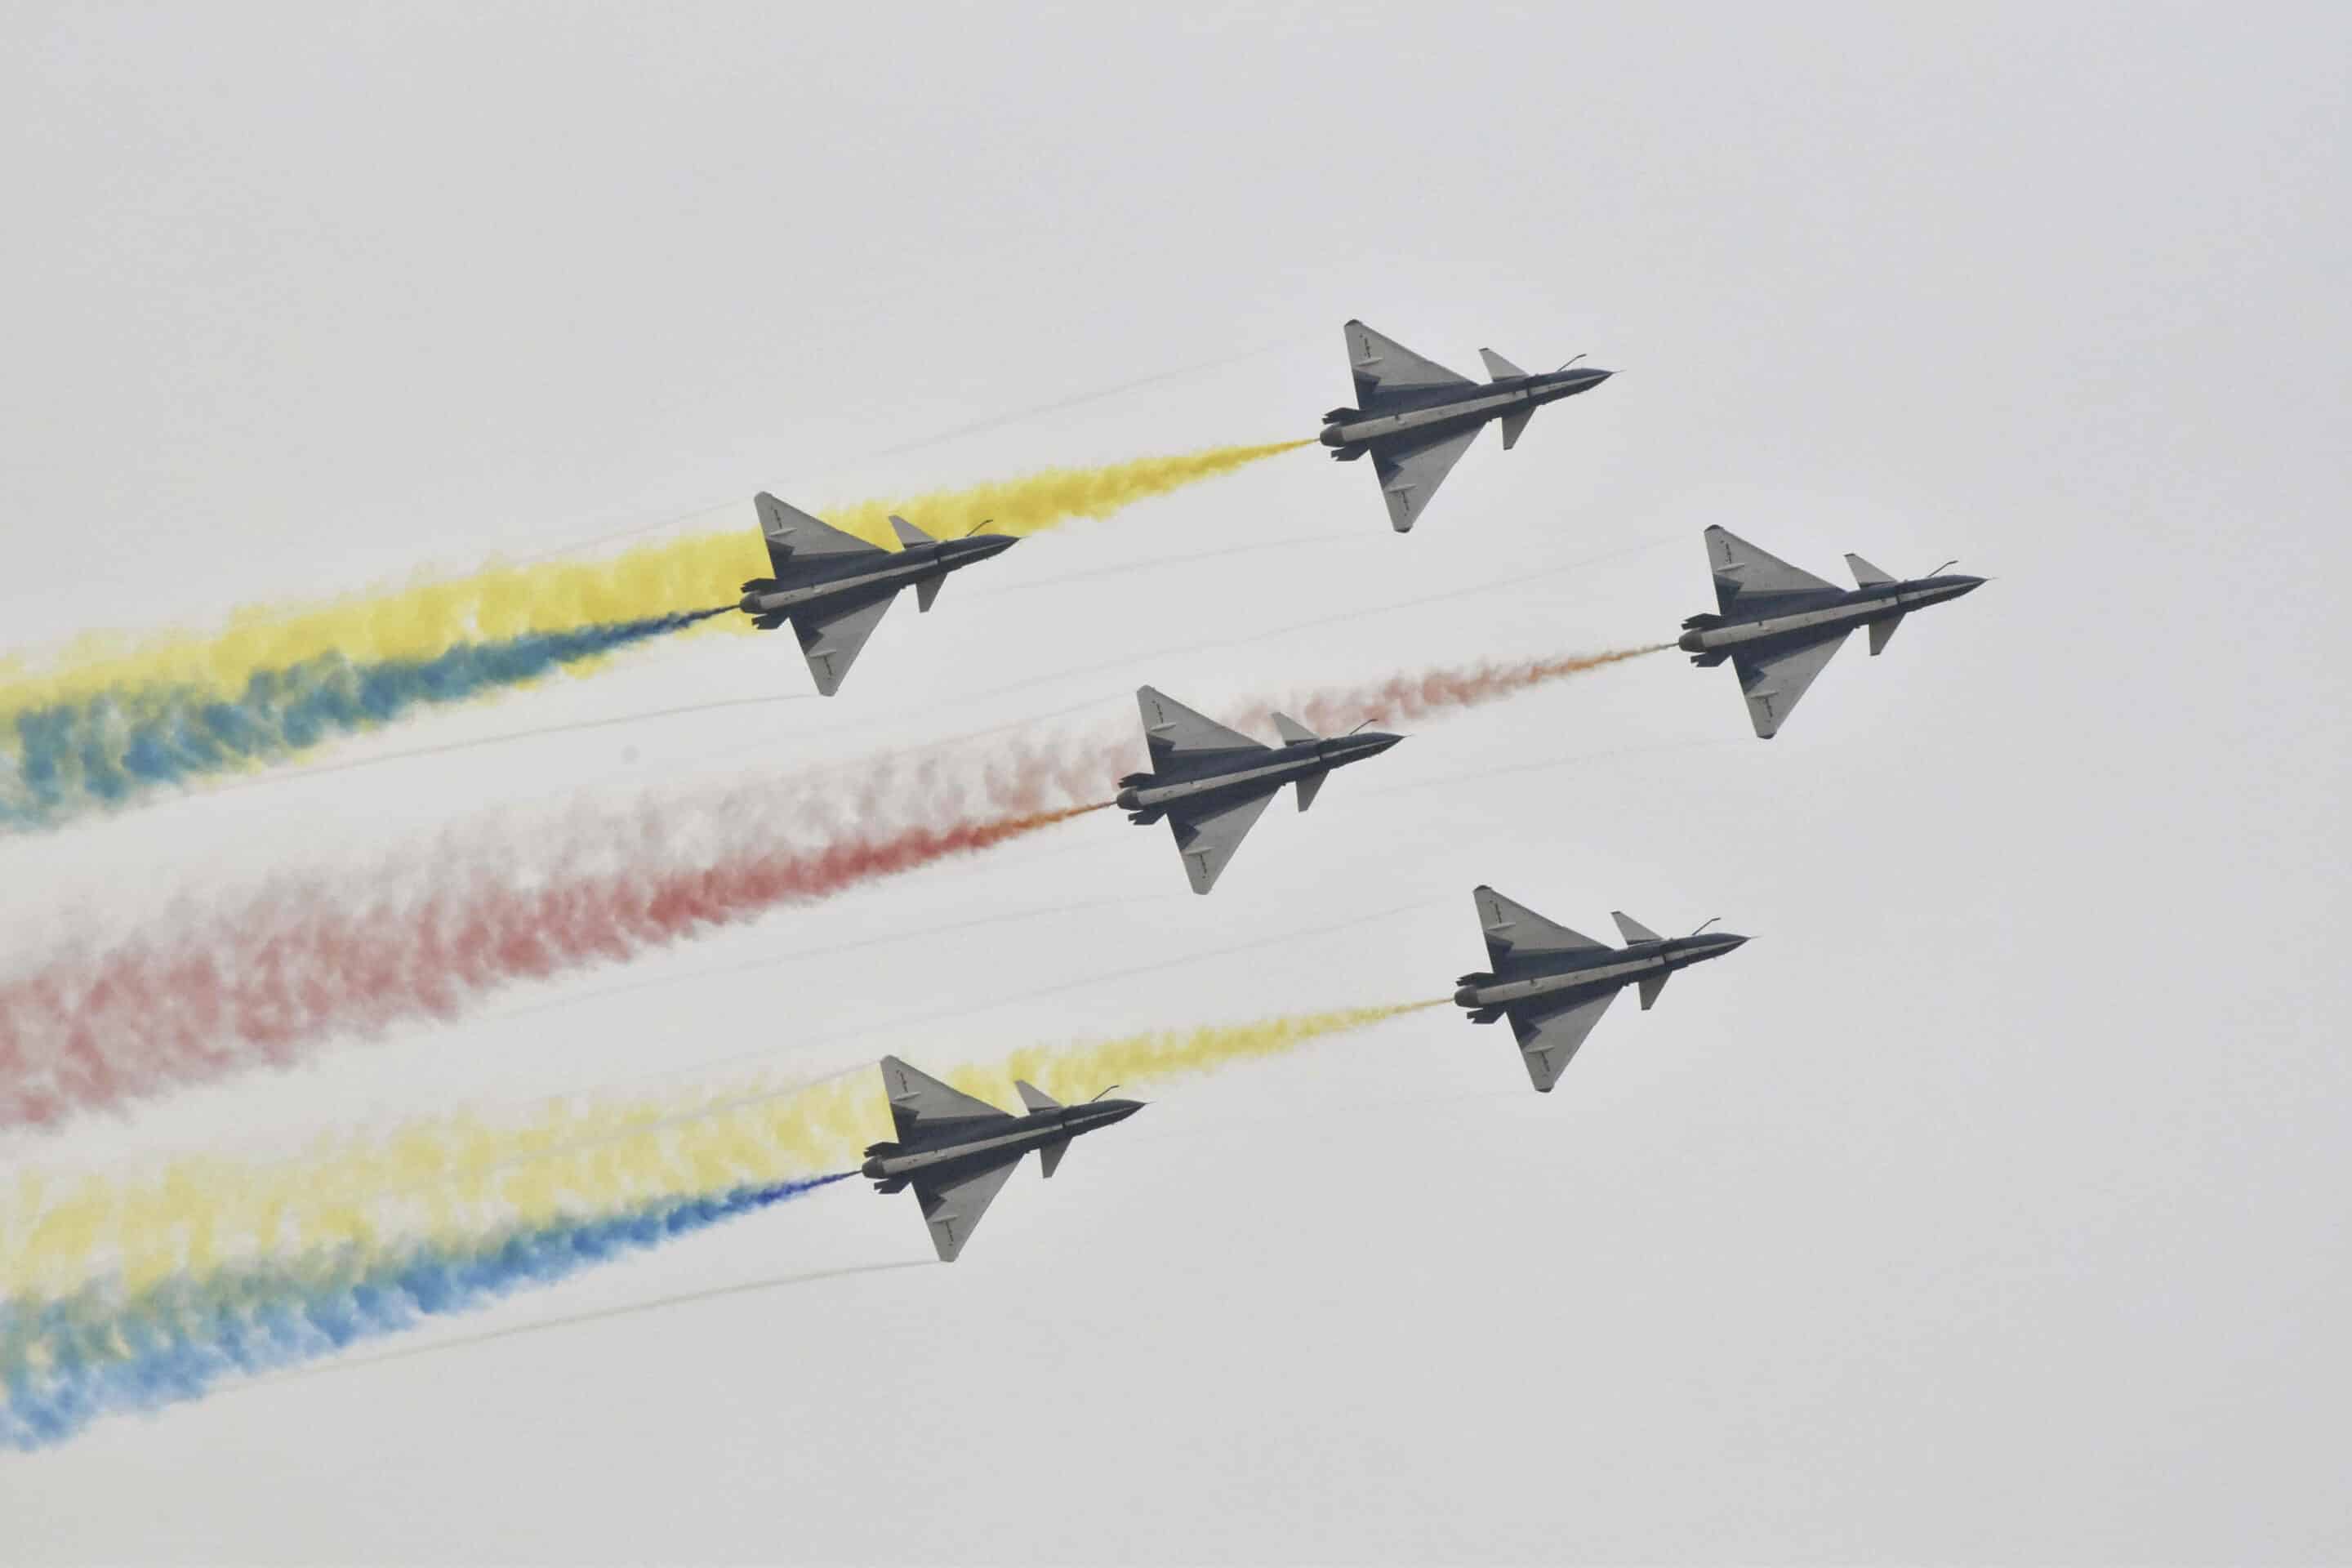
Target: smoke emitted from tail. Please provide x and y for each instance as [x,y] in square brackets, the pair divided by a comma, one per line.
[266,983]
[1079,1072]
[1050,496]
[1032,772]
[102,1351]
[127,1336]
[107,750]
[266,980]
[1405,698]
[502,601]
[438,1179]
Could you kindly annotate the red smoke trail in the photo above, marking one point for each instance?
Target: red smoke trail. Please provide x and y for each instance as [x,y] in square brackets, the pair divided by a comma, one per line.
[1402,699]
[1024,773]
[267,980]
[267,984]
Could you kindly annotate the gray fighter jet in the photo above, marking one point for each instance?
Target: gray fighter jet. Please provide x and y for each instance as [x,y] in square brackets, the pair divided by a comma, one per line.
[1416,417]
[1779,626]
[1554,983]
[1211,783]
[834,586]
[956,1150]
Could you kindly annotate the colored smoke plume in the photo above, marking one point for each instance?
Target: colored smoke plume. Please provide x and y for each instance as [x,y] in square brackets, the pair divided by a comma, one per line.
[317,1278]
[266,983]
[1028,773]
[451,1178]
[502,601]
[264,980]
[66,1361]
[1405,698]
[109,749]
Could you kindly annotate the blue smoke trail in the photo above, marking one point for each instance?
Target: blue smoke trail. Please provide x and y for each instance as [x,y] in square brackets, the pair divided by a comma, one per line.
[66,1363]
[108,750]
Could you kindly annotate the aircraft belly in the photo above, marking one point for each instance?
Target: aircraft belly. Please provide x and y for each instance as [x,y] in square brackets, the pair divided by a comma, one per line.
[1420,422]
[1249,782]
[1544,985]
[815,593]
[980,1149]
[1810,624]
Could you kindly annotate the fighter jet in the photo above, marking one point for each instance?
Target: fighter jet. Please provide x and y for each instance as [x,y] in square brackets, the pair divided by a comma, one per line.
[1779,626]
[1211,783]
[956,1150]
[1416,417]
[834,586]
[1554,983]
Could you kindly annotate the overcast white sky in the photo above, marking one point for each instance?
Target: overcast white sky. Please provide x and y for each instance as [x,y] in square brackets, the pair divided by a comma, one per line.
[1990,1207]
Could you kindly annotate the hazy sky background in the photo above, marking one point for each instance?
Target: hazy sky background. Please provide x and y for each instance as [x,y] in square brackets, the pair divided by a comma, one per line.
[1990,1207]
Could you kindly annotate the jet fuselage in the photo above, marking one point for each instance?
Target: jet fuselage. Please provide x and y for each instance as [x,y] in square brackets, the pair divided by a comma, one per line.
[1620,966]
[1254,772]
[768,598]
[1810,616]
[988,1142]
[1435,410]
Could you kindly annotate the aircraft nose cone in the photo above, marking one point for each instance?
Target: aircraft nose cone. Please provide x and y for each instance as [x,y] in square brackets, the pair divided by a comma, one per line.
[1126,1109]
[1970,584]
[1381,742]
[997,545]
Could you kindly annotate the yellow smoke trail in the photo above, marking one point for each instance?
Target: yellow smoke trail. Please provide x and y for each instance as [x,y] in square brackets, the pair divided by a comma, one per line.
[462,1176]
[425,620]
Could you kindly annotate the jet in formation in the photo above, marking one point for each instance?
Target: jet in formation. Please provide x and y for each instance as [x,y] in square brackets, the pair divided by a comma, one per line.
[1554,983]
[1416,417]
[834,586]
[1211,783]
[1779,626]
[956,1150]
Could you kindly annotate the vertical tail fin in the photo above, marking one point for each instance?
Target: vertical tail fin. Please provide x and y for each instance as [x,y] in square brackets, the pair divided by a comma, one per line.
[1634,931]
[1864,574]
